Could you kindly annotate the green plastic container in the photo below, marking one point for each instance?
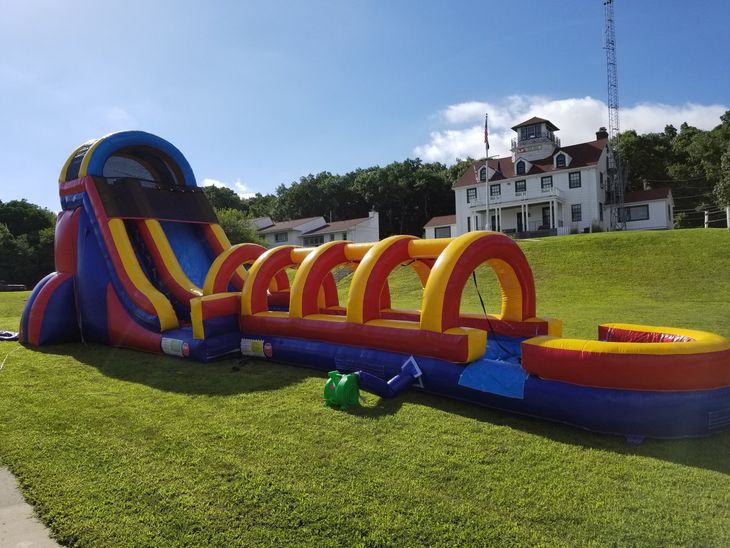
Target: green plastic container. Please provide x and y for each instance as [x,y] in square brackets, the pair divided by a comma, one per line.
[341,391]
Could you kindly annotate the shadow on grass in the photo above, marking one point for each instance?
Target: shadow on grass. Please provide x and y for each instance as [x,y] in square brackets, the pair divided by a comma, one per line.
[227,377]
[219,378]
[708,453]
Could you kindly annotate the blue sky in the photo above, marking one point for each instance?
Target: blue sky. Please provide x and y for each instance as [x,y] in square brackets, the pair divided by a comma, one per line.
[258,93]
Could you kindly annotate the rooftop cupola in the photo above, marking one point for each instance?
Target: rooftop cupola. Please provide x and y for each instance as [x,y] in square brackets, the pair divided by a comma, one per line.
[535,139]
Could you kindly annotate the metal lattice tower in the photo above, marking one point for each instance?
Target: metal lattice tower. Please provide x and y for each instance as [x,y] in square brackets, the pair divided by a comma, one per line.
[615,178]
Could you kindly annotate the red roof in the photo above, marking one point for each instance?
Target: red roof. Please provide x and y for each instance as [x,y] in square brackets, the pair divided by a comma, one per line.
[337,226]
[535,120]
[582,154]
[441,221]
[647,195]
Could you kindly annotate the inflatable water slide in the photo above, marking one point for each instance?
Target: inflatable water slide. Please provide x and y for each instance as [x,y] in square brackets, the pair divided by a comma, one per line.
[142,263]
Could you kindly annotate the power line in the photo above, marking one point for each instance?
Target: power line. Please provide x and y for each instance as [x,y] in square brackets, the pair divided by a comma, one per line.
[675,180]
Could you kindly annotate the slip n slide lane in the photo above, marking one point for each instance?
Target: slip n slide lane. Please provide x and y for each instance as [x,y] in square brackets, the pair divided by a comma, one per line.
[142,263]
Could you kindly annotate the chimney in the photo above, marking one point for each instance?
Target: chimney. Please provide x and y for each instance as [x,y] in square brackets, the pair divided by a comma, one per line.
[601,133]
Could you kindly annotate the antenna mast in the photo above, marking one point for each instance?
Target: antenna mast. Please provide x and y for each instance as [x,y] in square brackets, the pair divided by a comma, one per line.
[615,178]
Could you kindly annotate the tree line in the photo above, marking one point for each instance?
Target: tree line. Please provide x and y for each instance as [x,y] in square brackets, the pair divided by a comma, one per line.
[406,195]
[26,242]
[694,163]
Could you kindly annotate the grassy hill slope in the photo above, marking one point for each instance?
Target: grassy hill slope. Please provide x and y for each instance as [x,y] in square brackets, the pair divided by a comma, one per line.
[121,448]
[674,278]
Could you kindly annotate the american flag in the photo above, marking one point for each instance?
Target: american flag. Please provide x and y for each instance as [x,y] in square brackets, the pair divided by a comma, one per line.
[486,130]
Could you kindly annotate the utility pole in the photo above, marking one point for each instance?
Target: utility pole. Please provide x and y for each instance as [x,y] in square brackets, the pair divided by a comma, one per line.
[615,174]
[488,216]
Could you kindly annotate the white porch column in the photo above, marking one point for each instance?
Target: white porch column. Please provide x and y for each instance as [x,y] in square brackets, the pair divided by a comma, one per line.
[525,224]
[552,214]
[727,216]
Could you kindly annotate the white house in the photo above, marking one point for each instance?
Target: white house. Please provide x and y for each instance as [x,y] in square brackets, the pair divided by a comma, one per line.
[314,231]
[651,209]
[546,188]
[440,227]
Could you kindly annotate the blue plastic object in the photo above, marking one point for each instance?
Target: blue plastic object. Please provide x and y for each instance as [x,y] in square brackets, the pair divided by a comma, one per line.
[496,377]
[389,389]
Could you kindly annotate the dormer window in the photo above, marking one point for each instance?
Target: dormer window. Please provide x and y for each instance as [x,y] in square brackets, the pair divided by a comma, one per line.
[560,160]
[483,174]
[520,168]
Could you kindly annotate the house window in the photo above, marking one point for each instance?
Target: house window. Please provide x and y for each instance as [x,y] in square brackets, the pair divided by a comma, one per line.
[521,186]
[442,232]
[471,195]
[281,237]
[468,224]
[574,179]
[483,174]
[600,211]
[344,235]
[576,213]
[314,240]
[560,160]
[600,175]
[495,190]
[634,213]
[520,168]
[546,183]
[332,237]
[530,132]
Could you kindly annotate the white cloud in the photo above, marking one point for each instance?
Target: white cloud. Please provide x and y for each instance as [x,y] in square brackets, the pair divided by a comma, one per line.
[118,119]
[238,187]
[578,119]
[214,182]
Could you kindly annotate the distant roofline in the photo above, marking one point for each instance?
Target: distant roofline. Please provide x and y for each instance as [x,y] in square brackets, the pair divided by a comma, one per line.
[282,226]
[337,226]
[577,152]
[535,120]
[442,220]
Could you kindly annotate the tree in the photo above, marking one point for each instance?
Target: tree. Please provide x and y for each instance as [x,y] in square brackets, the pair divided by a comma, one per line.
[21,217]
[10,255]
[332,196]
[722,188]
[26,242]
[688,161]
[646,156]
[238,227]
[459,168]
[224,198]
[407,194]
[261,205]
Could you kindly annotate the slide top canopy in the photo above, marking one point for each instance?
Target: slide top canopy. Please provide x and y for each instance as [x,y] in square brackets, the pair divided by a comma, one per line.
[136,175]
[130,154]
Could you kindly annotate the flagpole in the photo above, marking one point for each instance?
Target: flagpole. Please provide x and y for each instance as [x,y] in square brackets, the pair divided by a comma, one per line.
[488,216]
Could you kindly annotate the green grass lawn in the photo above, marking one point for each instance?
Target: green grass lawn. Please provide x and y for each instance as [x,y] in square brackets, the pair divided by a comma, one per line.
[114,447]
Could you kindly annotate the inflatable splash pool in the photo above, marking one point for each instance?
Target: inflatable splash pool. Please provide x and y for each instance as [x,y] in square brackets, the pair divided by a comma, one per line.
[141,262]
